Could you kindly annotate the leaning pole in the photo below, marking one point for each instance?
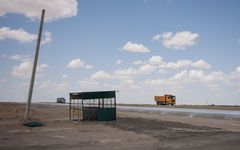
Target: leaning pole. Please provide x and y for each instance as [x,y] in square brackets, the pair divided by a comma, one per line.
[30,91]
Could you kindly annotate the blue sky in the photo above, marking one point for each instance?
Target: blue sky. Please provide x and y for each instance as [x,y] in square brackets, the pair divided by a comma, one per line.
[141,48]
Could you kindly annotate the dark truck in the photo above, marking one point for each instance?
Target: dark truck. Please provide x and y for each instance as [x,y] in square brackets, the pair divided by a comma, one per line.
[61,100]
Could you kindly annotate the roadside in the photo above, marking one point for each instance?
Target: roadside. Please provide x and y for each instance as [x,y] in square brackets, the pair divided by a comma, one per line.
[132,130]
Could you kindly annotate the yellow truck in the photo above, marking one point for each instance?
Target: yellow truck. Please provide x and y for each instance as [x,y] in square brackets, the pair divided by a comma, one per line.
[167,99]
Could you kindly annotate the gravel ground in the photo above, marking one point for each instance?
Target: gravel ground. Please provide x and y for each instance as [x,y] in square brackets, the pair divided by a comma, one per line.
[132,130]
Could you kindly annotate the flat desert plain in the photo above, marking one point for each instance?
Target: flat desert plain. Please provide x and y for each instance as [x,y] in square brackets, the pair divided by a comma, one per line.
[133,130]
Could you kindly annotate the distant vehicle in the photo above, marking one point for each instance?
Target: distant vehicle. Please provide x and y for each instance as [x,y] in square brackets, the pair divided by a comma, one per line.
[61,100]
[167,99]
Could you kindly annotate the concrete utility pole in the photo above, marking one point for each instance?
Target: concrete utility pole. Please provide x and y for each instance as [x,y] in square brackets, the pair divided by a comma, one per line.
[34,66]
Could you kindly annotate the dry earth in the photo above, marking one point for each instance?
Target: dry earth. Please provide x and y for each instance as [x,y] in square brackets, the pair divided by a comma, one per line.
[132,130]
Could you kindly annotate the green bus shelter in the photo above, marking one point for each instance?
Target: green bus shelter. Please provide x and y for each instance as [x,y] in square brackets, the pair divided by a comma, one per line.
[97,105]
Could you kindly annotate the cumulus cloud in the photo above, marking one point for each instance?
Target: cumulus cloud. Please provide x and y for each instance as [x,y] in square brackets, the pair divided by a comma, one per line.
[45,84]
[19,35]
[23,36]
[64,77]
[87,66]
[119,62]
[24,69]
[49,86]
[146,69]
[124,73]
[198,75]
[137,62]
[201,64]
[156,60]
[178,64]
[87,84]
[16,57]
[155,82]
[159,62]
[100,75]
[180,75]
[135,48]
[238,69]
[180,40]
[47,37]
[236,74]
[55,9]
[78,63]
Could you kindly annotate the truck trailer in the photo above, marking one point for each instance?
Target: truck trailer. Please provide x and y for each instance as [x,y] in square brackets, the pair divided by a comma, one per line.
[167,99]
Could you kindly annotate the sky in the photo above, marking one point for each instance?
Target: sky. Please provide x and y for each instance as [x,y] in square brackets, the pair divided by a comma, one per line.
[140,48]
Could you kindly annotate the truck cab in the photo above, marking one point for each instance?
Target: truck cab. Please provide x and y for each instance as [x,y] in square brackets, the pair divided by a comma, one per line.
[170,99]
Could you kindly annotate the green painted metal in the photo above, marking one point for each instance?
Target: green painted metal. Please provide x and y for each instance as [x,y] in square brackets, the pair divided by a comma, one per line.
[103,108]
[106,114]
[34,124]
[93,95]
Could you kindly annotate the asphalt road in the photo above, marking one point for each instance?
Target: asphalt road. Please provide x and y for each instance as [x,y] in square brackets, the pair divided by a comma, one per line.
[189,111]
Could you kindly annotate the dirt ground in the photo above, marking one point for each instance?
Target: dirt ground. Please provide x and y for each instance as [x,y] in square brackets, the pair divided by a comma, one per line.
[132,130]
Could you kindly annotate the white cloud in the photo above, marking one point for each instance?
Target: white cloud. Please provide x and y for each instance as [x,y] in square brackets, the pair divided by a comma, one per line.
[146,69]
[201,64]
[23,36]
[24,69]
[49,86]
[162,71]
[124,73]
[198,76]
[64,77]
[134,47]
[157,37]
[119,62]
[78,63]
[237,69]
[137,62]
[100,75]
[19,35]
[42,67]
[87,66]
[159,62]
[215,76]
[181,75]
[16,57]
[55,9]
[156,60]
[47,37]
[178,64]
[155,83]
[236,74]
[179,40]
[87,84]
[45,84]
